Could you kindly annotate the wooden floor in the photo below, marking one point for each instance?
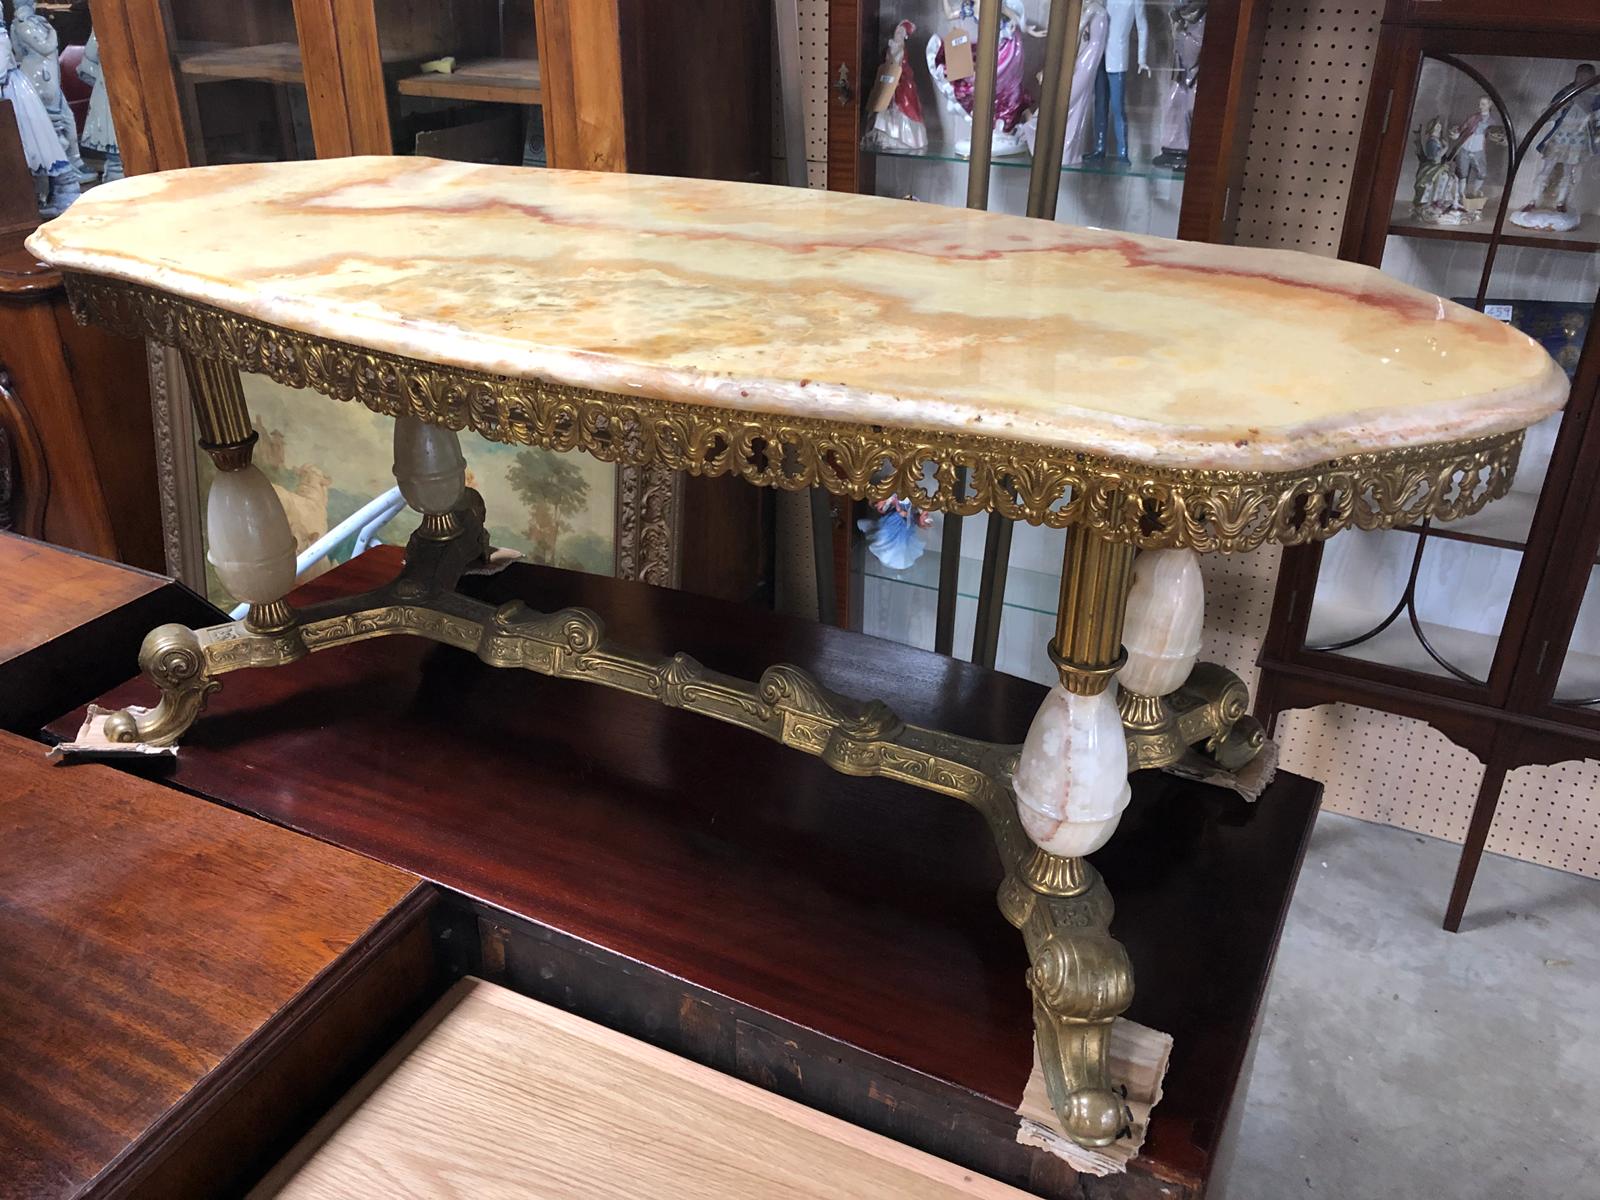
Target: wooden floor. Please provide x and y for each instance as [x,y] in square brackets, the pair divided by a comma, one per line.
[494,1095]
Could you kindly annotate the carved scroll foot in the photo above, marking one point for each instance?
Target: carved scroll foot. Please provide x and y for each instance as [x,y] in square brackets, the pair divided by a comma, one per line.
[1081,981]
[171,658]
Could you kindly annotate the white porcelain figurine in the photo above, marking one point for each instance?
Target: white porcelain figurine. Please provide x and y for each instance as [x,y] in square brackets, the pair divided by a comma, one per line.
[900,125]
[1188,21]
[1091,52]
[1436,188]
[54,178]
[1470,152]
[99,135]
[1569,146]
[34,41]
[1012,104]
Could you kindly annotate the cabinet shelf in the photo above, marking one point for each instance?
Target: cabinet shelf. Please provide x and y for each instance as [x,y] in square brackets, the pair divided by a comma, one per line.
[944,151]
[1504,523]
[490,80]
[1398,647]
[1585,238]
[275,62]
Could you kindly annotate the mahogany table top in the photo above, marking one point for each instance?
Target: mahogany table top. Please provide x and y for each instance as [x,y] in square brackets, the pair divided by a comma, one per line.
[861,909]
[147,942]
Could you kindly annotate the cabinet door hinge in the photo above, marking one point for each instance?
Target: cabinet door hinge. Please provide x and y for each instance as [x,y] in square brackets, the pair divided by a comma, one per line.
[1388,99]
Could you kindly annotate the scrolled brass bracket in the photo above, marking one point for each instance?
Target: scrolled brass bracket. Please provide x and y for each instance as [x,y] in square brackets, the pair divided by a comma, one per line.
[1209,711]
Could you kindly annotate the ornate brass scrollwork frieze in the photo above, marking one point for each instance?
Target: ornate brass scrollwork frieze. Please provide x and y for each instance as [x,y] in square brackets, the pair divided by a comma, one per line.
[1123,501]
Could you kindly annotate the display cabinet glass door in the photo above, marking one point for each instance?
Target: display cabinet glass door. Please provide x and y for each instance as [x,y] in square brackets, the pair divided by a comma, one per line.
[1493,209]
[241,81]
[1123,164]
[461,80]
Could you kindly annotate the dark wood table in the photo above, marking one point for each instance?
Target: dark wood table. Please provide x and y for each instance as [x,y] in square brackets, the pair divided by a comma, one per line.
[833,939]
[182,988]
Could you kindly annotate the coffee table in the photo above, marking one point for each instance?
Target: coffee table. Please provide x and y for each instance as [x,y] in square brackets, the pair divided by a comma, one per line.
[1155,399]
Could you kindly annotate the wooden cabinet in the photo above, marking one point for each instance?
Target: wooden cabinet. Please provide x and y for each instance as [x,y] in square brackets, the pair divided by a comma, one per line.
[1487,628]
[77,460]
[616,85]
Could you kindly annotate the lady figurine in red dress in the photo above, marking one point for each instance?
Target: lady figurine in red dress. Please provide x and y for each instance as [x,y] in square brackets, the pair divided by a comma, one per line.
[899,126]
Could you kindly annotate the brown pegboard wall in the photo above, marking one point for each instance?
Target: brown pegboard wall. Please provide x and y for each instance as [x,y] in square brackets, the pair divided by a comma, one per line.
[1316,60]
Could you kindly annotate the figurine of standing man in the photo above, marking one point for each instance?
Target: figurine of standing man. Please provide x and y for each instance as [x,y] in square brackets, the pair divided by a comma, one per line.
[1110,96]
[1573,140]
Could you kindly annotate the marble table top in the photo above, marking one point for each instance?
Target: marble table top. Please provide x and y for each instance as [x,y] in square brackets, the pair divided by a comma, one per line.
[849,308]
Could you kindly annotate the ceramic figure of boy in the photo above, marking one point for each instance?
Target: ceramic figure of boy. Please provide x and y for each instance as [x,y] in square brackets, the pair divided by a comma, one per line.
[33,40]
[1574,139]
[98,133]
[53,175]
[1110,96]
[1472,138]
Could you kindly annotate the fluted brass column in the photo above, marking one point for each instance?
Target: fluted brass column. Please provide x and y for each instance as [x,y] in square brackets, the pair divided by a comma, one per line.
[1095,578]
[220,411]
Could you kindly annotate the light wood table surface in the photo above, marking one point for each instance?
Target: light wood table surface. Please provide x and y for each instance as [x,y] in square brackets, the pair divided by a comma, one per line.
[496,1095]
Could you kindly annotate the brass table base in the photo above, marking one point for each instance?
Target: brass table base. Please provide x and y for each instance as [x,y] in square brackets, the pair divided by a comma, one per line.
[1079,975]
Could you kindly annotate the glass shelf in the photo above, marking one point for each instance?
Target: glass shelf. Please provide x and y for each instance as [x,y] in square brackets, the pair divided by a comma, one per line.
[1503,523]
[1585,238]
[1397,646]
[1026,591]
[945,152]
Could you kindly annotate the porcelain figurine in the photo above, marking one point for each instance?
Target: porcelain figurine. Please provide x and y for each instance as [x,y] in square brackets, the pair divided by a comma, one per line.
[54,177]
[1091,50]
[1177,106]
[33,39]
[1573,140]
[1012,104]
[98,133]
[899,126]
[1436,190]
[1125,18]
[1469,152]
[893,536]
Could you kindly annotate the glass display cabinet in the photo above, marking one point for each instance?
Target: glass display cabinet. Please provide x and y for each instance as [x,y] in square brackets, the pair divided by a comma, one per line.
[1477,182]
[1156,111]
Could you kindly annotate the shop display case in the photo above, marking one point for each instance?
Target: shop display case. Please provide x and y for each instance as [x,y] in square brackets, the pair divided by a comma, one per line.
[978,586]
[1476,183]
